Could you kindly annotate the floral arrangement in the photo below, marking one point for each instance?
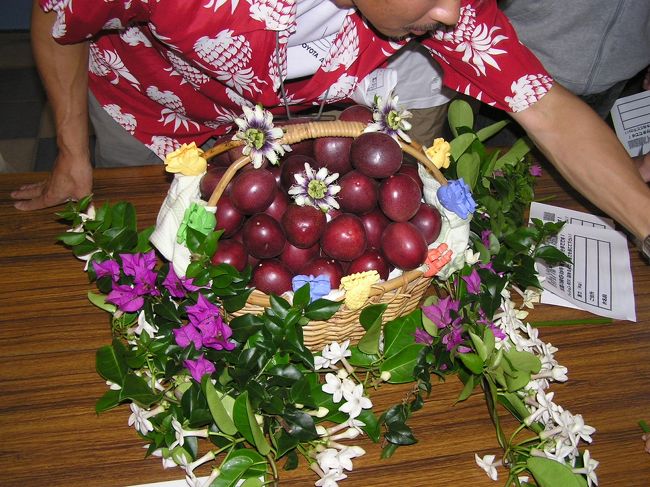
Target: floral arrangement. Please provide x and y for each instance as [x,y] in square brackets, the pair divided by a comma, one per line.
[239,398]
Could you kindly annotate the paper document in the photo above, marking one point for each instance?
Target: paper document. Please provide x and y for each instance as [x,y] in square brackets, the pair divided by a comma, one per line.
[600,280]
[631,117]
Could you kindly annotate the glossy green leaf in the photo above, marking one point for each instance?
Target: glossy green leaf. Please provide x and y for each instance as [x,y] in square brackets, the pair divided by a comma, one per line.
[300,425]
[321,309]
[460,144]
[491,130]
[360,359]
[235,467]
[551,255]
[516,153]
[400,332]
[468,388]
[468,167]
[72,238]
[109,400]
[221,417]
[245,421]
[524,361]
[460,115]
[301,296]
[401,364]
[136,389]
[99,300]
[400,434]
[235,303]
[110,362]
[472,361]
[245,326]
[479,346]
[370,319]
[549,473]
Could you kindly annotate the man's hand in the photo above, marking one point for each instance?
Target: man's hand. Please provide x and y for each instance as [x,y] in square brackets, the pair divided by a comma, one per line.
[69,180]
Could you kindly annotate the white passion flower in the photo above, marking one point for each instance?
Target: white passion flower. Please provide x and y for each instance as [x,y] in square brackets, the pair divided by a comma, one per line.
[389,119]
[261,139]
[315,188]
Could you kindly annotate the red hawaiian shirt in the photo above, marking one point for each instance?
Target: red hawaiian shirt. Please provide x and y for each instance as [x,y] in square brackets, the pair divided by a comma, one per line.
[172,72]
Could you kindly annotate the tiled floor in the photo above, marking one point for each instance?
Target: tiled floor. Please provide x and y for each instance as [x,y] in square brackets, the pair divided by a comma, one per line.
[26,130]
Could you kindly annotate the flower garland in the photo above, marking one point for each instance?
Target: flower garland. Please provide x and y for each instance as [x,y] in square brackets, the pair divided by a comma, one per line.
[255,396]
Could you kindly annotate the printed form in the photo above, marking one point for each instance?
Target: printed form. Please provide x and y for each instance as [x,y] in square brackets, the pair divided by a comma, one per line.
[631,117]
[600,280]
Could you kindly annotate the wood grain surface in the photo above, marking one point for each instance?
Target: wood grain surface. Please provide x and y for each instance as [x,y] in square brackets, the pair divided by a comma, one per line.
[50,434]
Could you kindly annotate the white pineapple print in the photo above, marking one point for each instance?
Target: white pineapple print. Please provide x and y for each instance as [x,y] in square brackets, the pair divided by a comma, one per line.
[345,49]
[59,29]
[224,116]
[182,68]
[229,56]
[217,4]
[126,120]
[527,90]
[276,14]
[476,42]
[279,72]
[174,110]
[161,145]
[113,24]
[107,63]
[340,90]
[133,36]
[237,99]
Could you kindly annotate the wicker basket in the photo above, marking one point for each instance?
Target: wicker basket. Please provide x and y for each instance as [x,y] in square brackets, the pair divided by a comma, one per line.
[401,294]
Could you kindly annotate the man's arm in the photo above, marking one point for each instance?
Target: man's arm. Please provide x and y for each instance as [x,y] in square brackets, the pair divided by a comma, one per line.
[588,154]
[64,72]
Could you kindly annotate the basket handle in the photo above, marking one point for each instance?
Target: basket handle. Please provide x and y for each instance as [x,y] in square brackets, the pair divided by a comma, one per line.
[311,130]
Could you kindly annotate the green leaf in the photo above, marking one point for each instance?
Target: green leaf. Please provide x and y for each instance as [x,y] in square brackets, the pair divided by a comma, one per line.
[285,443]
[237,302]
[109,400]
[479,346]
[516,153]
[401,364]
[99,300]
[551,255]
[400,332]
[221,417]
[360,359]
[245,421]
[469,387]
[72,238]
[301,296]
[549,473]
[245,326]
[110,362]
[460,115]
[210,243]
[136,389]
[235,466]
[300,425]
[370,319]
[321,309]
[143,240]
[472,361]
[468,167]
[524,361]
[371,424]
[460,144]
[400,434]
[491,130]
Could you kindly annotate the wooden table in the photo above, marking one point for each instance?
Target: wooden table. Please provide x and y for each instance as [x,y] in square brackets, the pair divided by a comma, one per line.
[49,332]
